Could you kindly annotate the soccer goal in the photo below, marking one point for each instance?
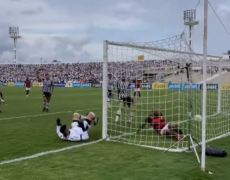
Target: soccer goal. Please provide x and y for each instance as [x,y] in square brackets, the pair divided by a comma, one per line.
[218,100]
[165,76]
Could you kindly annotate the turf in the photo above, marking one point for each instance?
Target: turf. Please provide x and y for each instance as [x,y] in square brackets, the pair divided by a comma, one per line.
[34,132]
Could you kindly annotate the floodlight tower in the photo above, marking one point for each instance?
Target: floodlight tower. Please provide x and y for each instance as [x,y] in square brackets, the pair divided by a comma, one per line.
[190,21]
[14,34]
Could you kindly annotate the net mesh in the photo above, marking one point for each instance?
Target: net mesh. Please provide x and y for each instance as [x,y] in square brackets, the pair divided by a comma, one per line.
[163,76]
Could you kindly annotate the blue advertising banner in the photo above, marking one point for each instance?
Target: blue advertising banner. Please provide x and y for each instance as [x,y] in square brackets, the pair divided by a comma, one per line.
[59,84]
[19,84]
[82,85]
[190,86]
[143,85]
[174,86]
[183,86]
[146,86]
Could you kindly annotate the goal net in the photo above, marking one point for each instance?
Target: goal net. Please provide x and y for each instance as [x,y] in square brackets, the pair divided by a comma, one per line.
[163,76]
[218,100]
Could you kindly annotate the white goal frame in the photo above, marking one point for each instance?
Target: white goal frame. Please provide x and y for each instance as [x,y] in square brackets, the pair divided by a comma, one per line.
[196,57]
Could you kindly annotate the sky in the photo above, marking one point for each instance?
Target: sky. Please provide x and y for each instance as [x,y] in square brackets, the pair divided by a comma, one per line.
[74,30]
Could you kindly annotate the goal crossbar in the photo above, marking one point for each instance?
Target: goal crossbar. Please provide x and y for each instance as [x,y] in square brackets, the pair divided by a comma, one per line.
[138,46]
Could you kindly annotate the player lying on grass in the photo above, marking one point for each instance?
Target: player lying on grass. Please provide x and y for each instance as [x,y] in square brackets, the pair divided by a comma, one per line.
[79,127]
[158,122]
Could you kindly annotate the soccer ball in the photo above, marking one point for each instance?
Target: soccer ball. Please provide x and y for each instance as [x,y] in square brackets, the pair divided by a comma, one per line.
[197,117]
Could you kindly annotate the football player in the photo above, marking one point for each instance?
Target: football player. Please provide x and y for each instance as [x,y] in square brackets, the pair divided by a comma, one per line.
[47,90]
[27,85]
[158,122]
[79,127]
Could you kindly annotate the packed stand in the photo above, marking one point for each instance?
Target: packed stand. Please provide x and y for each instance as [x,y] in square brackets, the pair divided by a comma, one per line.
[80,72]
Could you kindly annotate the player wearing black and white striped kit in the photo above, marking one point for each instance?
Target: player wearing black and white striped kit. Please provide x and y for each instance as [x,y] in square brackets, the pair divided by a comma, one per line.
[125,96]
[47,90]
[110,87]
[125,93]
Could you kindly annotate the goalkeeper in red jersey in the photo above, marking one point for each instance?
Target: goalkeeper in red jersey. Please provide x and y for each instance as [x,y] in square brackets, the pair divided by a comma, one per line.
[158,122]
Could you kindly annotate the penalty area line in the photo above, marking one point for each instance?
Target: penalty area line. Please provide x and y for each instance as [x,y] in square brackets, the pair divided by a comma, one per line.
[48,152]
[34,115]
[44,114]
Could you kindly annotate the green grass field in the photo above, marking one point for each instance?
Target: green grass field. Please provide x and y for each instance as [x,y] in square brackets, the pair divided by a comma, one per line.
[26,130]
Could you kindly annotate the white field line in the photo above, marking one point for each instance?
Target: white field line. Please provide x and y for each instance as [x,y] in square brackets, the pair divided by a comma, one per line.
[48,152]
[34,115]
[43,114]
[213,77]
[153,147]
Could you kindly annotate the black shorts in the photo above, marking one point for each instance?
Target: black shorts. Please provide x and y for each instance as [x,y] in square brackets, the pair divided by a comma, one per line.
[109,93]
[47,94]
[127,100]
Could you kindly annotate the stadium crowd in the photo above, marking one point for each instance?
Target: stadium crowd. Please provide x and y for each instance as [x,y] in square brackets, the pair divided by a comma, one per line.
[60,73]
[79,72]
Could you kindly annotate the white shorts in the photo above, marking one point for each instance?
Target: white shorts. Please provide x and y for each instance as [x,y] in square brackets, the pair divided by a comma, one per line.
[137,89]
[85,136]
[27,89]
[164,129]
[76,134]
[74,124]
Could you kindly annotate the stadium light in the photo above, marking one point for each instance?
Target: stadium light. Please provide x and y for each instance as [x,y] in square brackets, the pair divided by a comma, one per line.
[190,21]
[14,34]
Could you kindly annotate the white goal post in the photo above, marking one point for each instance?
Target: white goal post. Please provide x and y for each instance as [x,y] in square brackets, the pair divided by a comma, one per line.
[168,76]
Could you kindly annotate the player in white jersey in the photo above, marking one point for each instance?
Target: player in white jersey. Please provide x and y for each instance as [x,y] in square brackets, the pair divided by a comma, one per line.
[79,127]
